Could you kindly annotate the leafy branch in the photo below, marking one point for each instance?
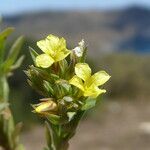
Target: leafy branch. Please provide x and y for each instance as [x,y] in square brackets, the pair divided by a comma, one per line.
[9,132]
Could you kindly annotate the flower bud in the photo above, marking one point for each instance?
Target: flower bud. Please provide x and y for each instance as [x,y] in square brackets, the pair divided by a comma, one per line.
[45,107]
[79,49]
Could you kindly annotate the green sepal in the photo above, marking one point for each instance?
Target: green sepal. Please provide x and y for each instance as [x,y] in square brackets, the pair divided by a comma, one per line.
[70,115]
[89,103]
[48,87]
[64,85]
[54,119]
[37,82]
[37,88]
[63,64]
[83,58]
[44,74]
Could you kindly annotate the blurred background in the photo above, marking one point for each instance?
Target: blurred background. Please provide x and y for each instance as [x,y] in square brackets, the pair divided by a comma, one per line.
[118,37]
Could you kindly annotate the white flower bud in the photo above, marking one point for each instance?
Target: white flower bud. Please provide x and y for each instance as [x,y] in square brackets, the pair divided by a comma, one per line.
[79,49]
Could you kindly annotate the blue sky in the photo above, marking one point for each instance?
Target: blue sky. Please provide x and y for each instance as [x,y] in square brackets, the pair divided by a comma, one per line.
[18,6]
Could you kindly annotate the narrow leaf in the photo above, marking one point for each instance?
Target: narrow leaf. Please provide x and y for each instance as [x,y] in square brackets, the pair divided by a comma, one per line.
[18,63]
[33,54]
[4,34]
[13,54]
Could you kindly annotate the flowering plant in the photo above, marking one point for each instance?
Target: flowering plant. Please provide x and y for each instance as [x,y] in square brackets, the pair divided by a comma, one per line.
[67,85]
[9,132]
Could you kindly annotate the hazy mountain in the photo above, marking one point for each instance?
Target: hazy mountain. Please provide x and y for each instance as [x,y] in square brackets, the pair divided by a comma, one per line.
[127,29]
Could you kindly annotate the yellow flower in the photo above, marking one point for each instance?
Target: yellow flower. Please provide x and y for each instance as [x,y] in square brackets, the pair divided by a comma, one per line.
[54,49]
[44,107]
[89,83]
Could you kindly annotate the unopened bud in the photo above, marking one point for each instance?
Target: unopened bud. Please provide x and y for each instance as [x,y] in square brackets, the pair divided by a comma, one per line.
[79,49]
[48,106]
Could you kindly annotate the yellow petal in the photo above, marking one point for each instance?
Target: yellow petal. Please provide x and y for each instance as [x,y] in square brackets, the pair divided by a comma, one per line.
[46,107]
[60,55]
[56,44]
[94,92]
[45,46]
[44,61]
[53,40]
[98,78]
[61,44]
[83,71]
[76,81]
[49,45]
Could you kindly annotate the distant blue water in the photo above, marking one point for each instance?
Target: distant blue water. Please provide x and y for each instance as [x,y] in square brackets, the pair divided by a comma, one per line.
[137,43]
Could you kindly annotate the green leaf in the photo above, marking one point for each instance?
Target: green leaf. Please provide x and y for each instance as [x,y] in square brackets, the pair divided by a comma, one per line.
[89,103]
[33,54]
[15,49]
[13,54]
[18,63]
[3,36]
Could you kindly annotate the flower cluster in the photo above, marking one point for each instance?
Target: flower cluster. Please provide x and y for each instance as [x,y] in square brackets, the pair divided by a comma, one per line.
[66,83]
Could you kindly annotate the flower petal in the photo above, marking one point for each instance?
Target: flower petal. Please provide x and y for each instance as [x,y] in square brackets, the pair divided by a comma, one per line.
[83,71]
[60,55]
[45,46]
[53,40]
[94,92]
[44,61]
[61,44]
[99,78]
[76,81]
[49,44]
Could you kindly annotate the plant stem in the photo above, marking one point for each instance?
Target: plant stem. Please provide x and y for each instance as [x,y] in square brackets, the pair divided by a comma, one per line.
[59,135]
[8,139]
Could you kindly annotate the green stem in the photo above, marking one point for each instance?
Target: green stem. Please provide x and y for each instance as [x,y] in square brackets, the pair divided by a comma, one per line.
[8,139]
[60,142]
[4,92]
[59,135]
